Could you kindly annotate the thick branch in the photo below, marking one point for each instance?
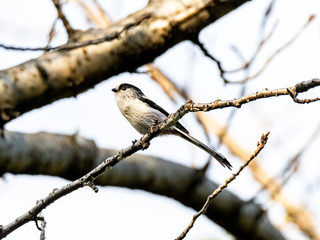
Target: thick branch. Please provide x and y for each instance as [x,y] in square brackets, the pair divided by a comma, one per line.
[70,156]
[66,73]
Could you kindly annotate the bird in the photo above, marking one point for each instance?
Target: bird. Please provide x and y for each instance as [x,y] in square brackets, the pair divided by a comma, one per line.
[142,113]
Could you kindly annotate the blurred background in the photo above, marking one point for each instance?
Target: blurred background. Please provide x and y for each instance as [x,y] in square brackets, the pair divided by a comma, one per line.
[289,55]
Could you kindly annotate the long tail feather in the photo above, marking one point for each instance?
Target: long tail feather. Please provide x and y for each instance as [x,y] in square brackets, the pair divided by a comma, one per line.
[219,157]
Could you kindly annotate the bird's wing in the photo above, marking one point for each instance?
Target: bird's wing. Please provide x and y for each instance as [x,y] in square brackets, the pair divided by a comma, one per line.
[152,104]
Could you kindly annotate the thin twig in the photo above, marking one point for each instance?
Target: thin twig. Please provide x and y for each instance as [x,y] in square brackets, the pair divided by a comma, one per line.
[266,16]
[97,15]
[144,141]
[232,114]
[51,34]
[71,46]
[196,41]
[260,146]
[265,93]
[290,168]
[247,64]
[293,94]
[254,57]
[69,29]
[277,52]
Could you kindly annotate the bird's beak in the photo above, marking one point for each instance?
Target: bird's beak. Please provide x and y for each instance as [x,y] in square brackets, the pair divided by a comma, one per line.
[114,90]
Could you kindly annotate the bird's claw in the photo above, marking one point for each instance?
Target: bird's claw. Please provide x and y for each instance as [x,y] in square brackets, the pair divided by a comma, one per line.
[145,145]
[154,121]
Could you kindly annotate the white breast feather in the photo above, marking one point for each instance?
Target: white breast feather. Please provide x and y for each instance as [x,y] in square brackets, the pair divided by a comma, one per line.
[139,114]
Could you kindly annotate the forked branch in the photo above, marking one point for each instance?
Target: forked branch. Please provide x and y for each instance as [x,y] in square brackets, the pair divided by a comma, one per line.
[107,164]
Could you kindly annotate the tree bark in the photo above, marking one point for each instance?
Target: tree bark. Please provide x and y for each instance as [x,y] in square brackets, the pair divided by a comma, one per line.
[72,156]
[64,73]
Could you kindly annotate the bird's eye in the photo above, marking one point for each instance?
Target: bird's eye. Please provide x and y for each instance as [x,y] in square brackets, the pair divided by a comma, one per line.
[123,88]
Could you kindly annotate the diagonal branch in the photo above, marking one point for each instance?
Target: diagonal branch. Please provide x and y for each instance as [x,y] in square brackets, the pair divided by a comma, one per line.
[248,63]
[70,157]
[143,143]
[203,210]
[74,45]
[301,87]
[300,216]
[85,180]
[60,74]
[63,18]
[275,53]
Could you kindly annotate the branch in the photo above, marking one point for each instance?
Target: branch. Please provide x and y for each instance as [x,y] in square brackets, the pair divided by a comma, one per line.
[63,18]
[144,143]
[75,45]
[85,180]
[247,64]
[189,106]
[59,74]
[299,213]
[52,33]
[301,217]
[95,13]
[189,187]
[274,54]
[261,144]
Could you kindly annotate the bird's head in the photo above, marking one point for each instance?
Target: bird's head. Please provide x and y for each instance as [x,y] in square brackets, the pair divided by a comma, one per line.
[126,90]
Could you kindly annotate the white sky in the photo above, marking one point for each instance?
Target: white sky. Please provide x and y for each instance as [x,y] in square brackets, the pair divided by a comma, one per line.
[84,214]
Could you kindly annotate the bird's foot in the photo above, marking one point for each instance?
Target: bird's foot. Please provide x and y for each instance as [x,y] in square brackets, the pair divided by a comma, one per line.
[154,121]
[145,145]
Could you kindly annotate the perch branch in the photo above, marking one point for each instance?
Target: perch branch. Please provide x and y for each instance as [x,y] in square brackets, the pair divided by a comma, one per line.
[59,151]
[107,164]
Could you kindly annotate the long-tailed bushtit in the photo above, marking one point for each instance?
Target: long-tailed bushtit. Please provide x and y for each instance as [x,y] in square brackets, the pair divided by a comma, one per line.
[142,113]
